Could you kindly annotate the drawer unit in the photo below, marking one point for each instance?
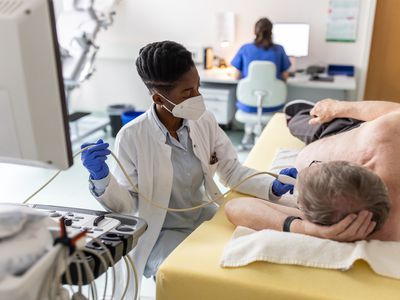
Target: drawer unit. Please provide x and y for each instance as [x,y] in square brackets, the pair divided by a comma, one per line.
[220,101]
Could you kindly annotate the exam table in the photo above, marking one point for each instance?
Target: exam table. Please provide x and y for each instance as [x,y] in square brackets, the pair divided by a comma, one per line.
[192,271]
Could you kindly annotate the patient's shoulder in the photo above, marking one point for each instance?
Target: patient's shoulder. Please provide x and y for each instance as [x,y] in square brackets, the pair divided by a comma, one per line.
[386,128]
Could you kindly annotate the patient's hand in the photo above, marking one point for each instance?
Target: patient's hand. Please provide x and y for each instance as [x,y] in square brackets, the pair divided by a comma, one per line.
[352,228]
[324,111]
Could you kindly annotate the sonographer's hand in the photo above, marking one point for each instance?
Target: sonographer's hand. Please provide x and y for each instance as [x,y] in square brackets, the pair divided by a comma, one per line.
[94,158]
[352,228]
[324,111]
[279,188]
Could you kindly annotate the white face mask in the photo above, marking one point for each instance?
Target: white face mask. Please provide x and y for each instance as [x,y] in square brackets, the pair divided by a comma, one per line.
[191,109]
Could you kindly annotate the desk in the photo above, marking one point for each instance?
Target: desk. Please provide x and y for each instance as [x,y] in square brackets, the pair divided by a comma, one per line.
[301,87]
[225,76]
[216,75]
[218,87]
[219,90]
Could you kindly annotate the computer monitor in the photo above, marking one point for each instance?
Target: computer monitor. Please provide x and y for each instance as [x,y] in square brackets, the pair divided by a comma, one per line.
[34,127]
[294,37]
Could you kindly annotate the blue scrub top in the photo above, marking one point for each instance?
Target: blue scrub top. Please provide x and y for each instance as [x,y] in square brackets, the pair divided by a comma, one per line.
[250,52]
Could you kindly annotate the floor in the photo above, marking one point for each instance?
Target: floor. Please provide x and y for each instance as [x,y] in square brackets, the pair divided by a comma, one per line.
[70,188]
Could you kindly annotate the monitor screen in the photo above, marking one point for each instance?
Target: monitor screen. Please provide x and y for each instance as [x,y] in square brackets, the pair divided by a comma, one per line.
[33,112]
[294,37]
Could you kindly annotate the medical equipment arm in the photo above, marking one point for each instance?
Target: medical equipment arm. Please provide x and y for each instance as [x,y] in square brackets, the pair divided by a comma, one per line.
[328,109]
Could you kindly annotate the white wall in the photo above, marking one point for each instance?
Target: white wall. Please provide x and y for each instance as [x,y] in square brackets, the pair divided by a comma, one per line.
[194,24]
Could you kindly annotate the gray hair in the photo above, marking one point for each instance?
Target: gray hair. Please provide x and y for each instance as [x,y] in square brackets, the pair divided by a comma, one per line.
[330,191]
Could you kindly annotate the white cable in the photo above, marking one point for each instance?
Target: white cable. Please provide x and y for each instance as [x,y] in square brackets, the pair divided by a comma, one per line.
[105,284]
[89,273]
[106,276]
[100,258]
[281,177]
[135,276]
[89,292]
[80,281]
[51,293]
[92,289]
[68,274]
[77,260]
[43,186]
[111,262]
[45,282]
[128,278]
[104,263]
[54,277]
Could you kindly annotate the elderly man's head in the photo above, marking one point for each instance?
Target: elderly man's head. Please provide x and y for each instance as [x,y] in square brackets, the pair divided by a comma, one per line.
[327,192]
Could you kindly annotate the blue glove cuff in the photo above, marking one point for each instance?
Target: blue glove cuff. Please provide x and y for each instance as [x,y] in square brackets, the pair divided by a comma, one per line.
[103,173]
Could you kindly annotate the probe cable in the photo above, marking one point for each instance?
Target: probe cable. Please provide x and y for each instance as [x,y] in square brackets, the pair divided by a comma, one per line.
[281,177]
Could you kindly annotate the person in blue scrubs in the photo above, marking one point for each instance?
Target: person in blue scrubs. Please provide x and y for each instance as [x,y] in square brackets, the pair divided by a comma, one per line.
[263,48]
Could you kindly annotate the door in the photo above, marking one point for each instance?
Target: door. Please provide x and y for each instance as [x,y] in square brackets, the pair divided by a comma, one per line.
[383,78]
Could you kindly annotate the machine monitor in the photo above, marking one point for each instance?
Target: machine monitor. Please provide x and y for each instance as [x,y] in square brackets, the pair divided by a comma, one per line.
[34,118]
[294,37]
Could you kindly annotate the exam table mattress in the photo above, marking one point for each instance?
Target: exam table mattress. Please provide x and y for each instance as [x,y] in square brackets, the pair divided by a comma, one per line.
[192,271]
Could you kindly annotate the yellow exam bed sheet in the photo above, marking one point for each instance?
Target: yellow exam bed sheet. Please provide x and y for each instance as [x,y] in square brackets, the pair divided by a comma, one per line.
[192,271]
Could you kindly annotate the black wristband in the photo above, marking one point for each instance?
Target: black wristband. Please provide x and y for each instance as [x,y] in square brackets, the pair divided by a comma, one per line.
[288,221]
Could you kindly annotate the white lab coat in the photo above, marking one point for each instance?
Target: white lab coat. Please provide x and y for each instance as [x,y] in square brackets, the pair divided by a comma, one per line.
[142,150]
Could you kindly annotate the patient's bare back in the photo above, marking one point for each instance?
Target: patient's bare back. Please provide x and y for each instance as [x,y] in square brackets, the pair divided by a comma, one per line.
[374,145]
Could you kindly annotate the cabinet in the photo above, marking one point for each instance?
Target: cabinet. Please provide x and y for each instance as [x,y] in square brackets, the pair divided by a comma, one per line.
[220,100]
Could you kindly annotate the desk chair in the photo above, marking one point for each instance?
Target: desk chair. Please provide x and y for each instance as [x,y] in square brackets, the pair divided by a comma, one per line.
[259,96]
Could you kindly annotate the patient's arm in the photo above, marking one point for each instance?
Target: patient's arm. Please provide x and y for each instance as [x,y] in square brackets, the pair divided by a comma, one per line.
[328,109]
[258,214]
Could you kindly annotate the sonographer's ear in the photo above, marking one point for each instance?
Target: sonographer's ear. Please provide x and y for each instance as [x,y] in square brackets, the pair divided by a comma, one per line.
[157,99]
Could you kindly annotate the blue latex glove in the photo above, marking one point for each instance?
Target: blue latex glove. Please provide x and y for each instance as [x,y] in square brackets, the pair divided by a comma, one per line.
[94,159]
[279,188]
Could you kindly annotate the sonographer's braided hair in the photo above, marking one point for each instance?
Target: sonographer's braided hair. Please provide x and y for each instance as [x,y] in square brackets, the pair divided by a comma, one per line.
[161,64]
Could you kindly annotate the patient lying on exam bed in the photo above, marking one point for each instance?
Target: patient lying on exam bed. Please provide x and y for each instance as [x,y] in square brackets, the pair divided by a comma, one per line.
[347,187]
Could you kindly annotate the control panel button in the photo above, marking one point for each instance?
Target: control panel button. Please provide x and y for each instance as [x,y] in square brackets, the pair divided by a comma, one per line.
[125,229]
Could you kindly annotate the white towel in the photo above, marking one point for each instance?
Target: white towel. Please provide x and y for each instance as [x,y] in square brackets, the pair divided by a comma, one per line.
[248,245]
[284,158]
